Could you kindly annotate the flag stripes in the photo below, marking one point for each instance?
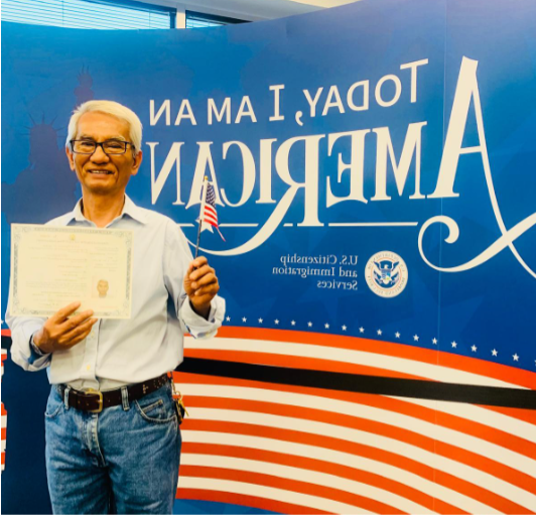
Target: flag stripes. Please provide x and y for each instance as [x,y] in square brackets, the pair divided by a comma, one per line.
[400,359]
[270,443]
[305,449]
[4,418]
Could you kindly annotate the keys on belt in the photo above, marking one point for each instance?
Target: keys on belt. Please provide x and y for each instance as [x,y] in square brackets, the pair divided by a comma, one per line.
[179,403]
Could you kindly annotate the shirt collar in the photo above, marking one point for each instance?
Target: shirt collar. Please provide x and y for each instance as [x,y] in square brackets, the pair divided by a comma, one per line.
[129,208]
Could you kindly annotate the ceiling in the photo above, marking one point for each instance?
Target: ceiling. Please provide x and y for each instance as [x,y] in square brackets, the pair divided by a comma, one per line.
[251,9]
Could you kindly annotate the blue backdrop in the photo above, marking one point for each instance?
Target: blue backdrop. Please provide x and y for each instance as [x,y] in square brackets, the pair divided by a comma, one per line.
[345,146]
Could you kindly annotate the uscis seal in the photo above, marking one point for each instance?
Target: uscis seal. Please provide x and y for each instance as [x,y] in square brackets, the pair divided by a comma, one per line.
[386,274]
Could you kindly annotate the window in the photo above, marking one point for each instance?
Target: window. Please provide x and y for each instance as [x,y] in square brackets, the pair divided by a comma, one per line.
[196,20]
[89,14]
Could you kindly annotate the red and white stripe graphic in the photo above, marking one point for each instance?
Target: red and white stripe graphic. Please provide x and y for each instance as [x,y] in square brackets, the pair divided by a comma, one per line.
[294,449]
[4,418]
[210,216]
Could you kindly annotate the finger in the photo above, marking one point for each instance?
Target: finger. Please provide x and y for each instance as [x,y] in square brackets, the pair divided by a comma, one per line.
[210,290]
[75,333]
[73,323]
[83,329]
[76,320]
[64,312]
[198,273]
[197,263]
[205,280]
[75,340]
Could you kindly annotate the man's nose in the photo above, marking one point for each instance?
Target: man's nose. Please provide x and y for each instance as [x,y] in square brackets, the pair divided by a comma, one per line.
[99,155]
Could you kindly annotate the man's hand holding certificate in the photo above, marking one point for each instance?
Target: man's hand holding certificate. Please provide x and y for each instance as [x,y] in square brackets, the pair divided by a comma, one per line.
[62,332]
[53,267]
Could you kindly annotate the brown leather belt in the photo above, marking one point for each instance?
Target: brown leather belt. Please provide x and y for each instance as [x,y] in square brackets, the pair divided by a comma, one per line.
[92,400]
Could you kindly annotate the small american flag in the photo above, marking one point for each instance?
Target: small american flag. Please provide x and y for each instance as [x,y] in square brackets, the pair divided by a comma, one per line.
[209,214]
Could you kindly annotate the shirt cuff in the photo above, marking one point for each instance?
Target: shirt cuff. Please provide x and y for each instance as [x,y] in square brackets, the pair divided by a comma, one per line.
[197,325]
[34,348]
[35,352]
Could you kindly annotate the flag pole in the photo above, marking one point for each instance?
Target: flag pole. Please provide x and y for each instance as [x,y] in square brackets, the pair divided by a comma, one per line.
[201,214]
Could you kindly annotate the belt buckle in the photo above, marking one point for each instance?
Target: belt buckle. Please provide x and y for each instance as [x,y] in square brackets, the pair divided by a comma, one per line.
[99,393]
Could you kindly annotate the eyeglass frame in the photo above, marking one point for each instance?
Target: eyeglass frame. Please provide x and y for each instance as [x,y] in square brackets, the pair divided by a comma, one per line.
[101,145]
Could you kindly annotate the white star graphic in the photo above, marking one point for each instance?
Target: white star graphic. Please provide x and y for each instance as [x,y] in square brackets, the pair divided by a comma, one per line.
[415,338]
[454,344]
[397,335]
[244,319]
[361,330]
[515,357]
[379,332]
[343,327]
[276,321]
[434,341]
[473,348]
[494,352]
[227,318]
[260,320]
[309,324]
[326,326]
[293,323]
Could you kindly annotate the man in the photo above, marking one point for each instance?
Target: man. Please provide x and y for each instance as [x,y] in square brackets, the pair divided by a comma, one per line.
[112,432]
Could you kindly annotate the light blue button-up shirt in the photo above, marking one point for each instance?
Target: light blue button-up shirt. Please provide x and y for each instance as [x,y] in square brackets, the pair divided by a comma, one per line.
[150,343]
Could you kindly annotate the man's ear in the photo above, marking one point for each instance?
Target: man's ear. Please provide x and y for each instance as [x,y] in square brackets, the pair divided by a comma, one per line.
[70,157]
[136,163]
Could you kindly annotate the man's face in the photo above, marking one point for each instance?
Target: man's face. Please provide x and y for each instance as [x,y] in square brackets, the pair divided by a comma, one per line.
[99,173]
[102,287]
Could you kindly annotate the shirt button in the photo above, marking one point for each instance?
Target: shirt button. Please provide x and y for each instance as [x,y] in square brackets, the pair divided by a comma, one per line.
[88,367]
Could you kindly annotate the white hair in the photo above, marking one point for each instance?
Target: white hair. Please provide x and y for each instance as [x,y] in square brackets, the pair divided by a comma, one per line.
[108,107]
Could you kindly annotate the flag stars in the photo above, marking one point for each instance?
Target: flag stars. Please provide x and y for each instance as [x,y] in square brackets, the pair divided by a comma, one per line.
[515,356]
[379,332]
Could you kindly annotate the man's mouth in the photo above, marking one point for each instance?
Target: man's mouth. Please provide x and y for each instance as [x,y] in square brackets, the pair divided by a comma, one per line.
[100,172]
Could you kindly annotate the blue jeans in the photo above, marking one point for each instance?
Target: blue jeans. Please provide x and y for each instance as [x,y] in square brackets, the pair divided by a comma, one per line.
[124,460]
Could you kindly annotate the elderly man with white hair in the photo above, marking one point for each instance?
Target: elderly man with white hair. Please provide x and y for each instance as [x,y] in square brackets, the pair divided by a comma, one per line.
[112,427]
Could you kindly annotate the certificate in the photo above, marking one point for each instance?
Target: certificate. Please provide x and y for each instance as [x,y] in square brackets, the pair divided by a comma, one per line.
[52,267]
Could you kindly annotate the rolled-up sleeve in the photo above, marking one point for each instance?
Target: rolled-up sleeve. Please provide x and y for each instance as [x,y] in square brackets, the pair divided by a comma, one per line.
[199,327]
[22,329]
[177,258]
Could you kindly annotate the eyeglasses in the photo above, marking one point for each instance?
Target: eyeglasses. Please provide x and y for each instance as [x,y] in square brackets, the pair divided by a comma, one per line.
[108,146]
